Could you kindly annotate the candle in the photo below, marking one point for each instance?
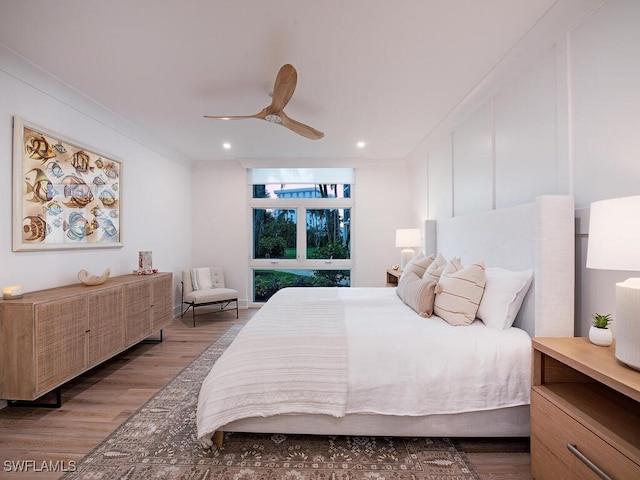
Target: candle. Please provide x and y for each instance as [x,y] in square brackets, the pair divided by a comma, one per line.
[12,291]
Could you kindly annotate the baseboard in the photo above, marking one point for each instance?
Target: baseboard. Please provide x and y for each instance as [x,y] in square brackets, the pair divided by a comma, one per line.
[3,404]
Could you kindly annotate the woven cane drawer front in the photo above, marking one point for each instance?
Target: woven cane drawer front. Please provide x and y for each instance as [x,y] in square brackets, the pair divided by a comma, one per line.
[137,311]
[162,302]
[553,430]
[106,327]
[60,341]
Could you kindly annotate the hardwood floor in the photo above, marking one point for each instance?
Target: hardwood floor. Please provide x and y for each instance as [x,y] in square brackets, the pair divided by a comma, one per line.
[96,403]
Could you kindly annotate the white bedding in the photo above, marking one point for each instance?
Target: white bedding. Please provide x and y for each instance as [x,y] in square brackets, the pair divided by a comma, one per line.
[290,358]
[398,363]
[404,364]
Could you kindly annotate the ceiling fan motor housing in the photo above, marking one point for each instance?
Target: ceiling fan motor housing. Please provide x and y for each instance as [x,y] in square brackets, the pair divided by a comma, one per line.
[273,118]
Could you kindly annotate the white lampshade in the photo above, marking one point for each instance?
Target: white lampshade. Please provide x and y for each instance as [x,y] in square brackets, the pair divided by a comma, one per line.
[614,244]
[614,234]
[407,238]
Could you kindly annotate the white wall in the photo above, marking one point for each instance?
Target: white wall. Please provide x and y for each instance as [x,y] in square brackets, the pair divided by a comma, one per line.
[567,122]
[439,180]
[154,188]
[382,205]
[525,135]
[473,166]
[605,79]
[221,221]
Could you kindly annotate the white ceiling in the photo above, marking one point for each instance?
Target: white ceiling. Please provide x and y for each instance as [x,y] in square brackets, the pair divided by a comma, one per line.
[385,72]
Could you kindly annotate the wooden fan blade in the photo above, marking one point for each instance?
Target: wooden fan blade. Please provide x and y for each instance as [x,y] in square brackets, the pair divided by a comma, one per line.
[260,115]
[283,88]
[300,128]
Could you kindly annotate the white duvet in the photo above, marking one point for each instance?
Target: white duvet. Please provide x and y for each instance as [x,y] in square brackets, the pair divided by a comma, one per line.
[336,351]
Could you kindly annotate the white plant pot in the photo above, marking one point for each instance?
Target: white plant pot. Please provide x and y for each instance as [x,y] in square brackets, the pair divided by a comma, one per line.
[600,336]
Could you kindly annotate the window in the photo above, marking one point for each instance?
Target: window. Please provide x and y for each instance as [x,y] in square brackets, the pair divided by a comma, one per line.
[274,233]
[268,282]
[301,228]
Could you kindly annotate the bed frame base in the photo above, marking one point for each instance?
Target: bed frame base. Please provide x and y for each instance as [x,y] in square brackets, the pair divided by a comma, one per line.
[504,422]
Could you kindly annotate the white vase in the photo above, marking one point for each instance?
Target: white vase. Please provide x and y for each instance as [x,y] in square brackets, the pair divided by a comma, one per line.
[600,336]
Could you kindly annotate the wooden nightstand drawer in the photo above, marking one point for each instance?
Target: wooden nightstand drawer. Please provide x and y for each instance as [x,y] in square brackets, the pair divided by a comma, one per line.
[582,396]
[552,430]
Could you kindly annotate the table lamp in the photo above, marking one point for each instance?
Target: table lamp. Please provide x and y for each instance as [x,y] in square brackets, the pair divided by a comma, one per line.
[407,238]
[614,244]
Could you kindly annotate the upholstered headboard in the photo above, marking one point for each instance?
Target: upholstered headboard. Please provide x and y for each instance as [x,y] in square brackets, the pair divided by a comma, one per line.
[537,235]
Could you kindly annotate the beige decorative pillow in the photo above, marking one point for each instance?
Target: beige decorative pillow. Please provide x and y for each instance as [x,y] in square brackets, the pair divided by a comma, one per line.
[418,265]
[459,292]
[435,268]
[417,293]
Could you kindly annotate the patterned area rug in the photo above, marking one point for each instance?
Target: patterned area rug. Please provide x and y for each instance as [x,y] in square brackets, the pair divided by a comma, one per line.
[159,441]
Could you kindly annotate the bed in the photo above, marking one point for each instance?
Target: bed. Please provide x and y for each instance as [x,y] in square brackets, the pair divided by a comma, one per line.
[354,361]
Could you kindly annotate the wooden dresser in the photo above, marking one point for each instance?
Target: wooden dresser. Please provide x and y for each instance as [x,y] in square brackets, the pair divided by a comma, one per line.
[50,336]
[585,412]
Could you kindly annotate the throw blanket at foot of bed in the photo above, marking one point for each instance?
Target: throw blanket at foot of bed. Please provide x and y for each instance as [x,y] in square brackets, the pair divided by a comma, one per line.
[301,367]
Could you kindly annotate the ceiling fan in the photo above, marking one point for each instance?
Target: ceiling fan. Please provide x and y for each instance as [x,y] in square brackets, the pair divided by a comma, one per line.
[282,91]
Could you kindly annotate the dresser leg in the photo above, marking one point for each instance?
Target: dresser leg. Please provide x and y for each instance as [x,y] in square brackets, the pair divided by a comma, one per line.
[36,403]
[153,340]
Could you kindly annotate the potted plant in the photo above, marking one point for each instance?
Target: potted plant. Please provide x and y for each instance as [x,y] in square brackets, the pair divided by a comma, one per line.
[599,333]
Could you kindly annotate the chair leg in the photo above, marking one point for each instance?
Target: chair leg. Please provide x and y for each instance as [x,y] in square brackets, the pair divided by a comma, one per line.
[223,304]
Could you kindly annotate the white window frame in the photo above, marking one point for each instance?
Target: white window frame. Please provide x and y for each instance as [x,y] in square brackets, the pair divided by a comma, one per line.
[301,262]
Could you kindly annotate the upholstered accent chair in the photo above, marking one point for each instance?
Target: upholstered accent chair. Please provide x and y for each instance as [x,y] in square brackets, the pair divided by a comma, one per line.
[205,287]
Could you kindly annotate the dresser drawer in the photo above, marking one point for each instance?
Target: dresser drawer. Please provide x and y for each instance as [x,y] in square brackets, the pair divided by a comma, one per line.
[552,430]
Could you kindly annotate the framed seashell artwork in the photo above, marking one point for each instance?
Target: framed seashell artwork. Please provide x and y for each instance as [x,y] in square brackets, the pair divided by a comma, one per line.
[65,195]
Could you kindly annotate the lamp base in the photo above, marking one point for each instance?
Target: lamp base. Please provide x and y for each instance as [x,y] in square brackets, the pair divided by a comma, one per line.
[627,322]
[406,255]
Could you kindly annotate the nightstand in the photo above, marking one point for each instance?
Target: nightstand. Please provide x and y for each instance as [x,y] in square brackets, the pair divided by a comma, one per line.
[585,412]
[393,276]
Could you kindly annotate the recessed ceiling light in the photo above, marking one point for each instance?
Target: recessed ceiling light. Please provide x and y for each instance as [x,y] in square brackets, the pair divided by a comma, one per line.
[361,144]
[226,145]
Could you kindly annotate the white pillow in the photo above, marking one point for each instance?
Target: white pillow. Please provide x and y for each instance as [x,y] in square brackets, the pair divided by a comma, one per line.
[459,292]
[202,278]
[503,295]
